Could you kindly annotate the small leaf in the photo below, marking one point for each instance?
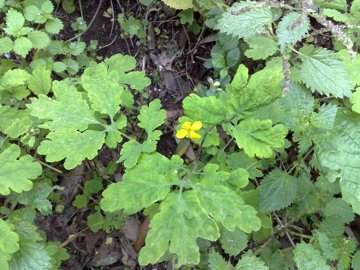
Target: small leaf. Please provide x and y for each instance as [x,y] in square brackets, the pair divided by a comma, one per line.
[307,257]
[9,239]
[22,46]
[250,262]
[39,39]
[40,81]
[54,26]
[260,47]
[217,262]
[14,22]
[17,172]
[355,100]
[233,242]
[355,263]
[6,45]
[277,191]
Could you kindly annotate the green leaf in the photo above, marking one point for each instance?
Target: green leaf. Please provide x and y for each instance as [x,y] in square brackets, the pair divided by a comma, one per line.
[54,26]
[76,146]
[339,208]
[307,257]
[340,151]
[59,67]
[336,4]
[259,137]
[175,229]
[223,204]
[47,7]
[277,191]
[260,47]
[20,125]
[217,262]
[22,46]
[151,179]
[17,172]
[77,48]
[57,254]
[68,111]
[39,39]
[31,13]
[245,20]
[325,118]
[355,263]
[209,110]
[103,90]
[233,242]
[250,262]
[13,78]
[151,117]
[6,45]
[355,100]
[324,72]
[329,246]
[179,4]
[336,15]
[40,81]
[9,243]
[132,150]
[292,28]
[352,66]
[14,22]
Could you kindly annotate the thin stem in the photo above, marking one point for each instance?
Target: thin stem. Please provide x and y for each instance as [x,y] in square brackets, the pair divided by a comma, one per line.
[49,166]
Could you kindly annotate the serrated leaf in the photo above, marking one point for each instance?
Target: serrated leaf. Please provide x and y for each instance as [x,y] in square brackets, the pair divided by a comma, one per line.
[47,7]
[209,110]
[325,118]
[277,191]
[54,26]
[355,100]
[77,146]
[175,229]
[9,243]
[355,263]
[245,19]
[292,28]
[14,22]
[69,110]
[179,4]
[341,152]
[324,72]
[22,46]
[39,39]
[6,45]
[259,137]
[59,67]
[157,173]
[40,81]
[217,262]
[223,204]
[77,48]
[339,208]
[261,47]
[31,13]
[17,172]
[13,78]
[329,246]
[103,90]
[336,4]
[307,257]
[233,242]
[250,262]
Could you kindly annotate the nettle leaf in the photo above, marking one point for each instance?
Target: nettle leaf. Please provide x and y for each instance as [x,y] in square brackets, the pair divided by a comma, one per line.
[292,28]
[175,229]
[258,137]
[250,262]
[339,208]
[261,47]
[40,81]
[340,151]
[77,146]
[223,204]
[39,39]
[307,257]
[217,262]
[179,4]
[325,118]
[6,45]
[151,178]
[17,172]
[277,191]
[233,242]
[324,72]
[14,22]
[54,26]
[245,19]
[22,46]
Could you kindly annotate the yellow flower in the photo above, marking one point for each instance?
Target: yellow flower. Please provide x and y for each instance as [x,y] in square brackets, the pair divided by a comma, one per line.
[188,130]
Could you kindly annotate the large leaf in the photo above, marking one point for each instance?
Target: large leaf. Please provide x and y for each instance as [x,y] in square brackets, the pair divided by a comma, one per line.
[17,172]
[307,257]
[292,28]
[277,190]
[324,72]
[176,228]
[152,179]
[259,137]
[74,146]
[340,151]
[245,19]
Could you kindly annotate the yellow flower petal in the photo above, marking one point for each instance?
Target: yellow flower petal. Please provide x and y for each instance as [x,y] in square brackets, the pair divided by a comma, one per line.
[186,125]
[194,135]
[196,126]
[182,133]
